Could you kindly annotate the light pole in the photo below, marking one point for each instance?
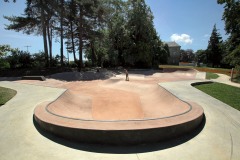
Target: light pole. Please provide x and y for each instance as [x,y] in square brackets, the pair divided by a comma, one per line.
[27,47]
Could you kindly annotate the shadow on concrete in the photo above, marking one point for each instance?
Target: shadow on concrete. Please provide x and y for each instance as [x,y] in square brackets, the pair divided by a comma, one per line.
[82,76]
[103,74]
[67,74]
[113,149]
[10,78]
[93,74]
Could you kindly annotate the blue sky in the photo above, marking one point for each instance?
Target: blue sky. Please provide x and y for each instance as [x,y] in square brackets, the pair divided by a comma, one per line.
[188,22]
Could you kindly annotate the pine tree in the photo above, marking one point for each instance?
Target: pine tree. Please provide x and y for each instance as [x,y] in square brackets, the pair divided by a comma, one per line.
[214,49]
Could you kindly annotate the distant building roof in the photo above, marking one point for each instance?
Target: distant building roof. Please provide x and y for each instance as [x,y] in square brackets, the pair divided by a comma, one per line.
[172,44]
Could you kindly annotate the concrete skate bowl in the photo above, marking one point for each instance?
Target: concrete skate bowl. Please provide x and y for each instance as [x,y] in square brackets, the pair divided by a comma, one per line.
[118,112]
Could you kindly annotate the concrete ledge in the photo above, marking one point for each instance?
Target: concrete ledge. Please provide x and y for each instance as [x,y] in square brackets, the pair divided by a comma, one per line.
[121,137]
[119,132]
[41,78]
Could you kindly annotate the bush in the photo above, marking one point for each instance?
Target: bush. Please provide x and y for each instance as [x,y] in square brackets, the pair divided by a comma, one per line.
[4,64]
[72,64]
[38,60]
[87,64]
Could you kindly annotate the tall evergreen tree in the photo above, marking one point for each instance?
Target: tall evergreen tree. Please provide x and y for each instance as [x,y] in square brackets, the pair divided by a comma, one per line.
[214,49]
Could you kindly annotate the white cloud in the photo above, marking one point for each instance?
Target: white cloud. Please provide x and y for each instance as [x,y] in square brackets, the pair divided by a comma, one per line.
[185,38]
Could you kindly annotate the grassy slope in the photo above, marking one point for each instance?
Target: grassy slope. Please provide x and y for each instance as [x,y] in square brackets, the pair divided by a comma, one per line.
[225,93]
[211,76]
[6,94]
[202,69]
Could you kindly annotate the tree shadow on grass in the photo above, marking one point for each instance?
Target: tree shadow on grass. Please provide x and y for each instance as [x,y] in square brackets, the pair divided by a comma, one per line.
[115,149]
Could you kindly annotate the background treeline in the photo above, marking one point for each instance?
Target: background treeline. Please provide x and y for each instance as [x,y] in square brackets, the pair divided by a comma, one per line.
[108,32]
[14,58]
[221,53]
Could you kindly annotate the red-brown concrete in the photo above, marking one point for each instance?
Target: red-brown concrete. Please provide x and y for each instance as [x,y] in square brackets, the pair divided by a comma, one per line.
[119,108]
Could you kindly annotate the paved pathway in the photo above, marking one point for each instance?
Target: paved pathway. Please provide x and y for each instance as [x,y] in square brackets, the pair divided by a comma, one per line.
[19,138]
[225,79]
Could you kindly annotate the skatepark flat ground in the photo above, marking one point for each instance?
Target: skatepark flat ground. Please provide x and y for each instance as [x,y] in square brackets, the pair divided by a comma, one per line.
[21,139]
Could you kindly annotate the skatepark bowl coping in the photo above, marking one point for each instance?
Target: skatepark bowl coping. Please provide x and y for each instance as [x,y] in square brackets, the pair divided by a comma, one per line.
[116,111]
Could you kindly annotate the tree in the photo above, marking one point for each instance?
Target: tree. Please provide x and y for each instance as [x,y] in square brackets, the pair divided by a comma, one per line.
[214,49]
[4,49]
[89,20]
[231,17]
[8,1]
[98,49]
[61,28]
[70,35]
[19,59]
[34,20]
[160,53]
[187,55]
[143,37]
[201,56]
[117,29]
[38,59]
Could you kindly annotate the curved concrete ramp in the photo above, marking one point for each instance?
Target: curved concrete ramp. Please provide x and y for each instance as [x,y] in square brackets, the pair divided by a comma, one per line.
[118,112]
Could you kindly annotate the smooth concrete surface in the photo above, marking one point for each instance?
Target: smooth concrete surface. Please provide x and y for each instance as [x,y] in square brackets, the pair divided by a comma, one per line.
[20,139]
[118,112]
[220,138]
[226,80]
[201,75]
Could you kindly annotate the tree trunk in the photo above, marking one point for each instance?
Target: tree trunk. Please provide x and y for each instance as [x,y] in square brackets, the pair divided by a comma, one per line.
[61,32]
[43,19]
[73,43]
[80,29]
[93,54]
[49,33]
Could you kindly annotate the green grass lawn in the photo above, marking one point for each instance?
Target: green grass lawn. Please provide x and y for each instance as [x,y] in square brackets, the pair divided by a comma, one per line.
[6,94]
[225,93]
[201,69]
[211,75]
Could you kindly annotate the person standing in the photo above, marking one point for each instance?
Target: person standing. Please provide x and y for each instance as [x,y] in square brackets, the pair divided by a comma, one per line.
[127,78]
